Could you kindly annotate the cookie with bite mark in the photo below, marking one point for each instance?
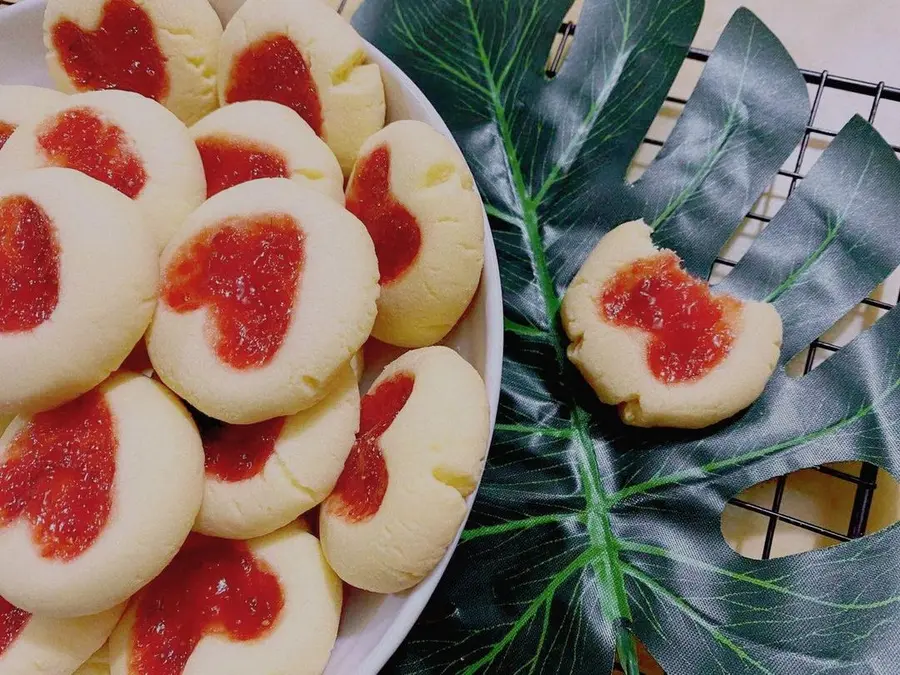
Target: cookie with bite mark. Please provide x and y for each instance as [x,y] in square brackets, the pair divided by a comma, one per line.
[166,50]
[78,284]
[124,140]
[401,497]
[96,497]
[21,103]
[302,54]
[414,193]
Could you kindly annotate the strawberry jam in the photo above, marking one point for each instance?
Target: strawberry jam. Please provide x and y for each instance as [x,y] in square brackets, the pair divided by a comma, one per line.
[273,69]
[6,130]
[246,270]
[236,452]
[393,228]
[12,622]
[29,265]
[362,484]
[121,53]
[58,474]
[78,138]
[690,330]
[212,587]
[230,161]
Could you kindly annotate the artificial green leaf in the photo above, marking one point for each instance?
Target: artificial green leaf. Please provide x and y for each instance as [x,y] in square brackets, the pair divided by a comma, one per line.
[585,532]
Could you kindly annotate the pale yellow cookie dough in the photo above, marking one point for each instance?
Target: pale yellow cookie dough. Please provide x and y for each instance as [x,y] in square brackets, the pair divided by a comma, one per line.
[429,177]
[187,33]
[157,491]
[22,103]
[433,451]
[350,89]
[108,276]
[175,184]
[613,359]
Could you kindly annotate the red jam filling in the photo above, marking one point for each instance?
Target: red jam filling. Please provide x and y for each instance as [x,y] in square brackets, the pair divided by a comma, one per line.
[273,69]
[690,330]
[12,622]
[212,587]
[6,130]
[121,53]
[362,484]
[246,270]
[229,162]
[58,474]
[79,139]
[236,452]
[29,265]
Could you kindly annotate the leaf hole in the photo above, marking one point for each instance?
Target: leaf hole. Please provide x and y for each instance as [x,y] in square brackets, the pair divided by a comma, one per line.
[818,507]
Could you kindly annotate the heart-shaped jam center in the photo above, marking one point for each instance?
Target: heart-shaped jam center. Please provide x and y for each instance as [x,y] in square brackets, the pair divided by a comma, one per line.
[231,161]
[273,69]
[6,130]
[121,53]
[29,265]
[394,230]
[246,272]
[212,587]
[58,474]
[361,487]
[12,622]
[690,330]
[78,138]
[237,452]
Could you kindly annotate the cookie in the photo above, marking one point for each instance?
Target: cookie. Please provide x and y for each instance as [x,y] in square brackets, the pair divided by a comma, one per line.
[166,50]
[414,193]
[260,477]
[98,664]
[401,497]
[653,340]
[21,103]
[96,497]
[78,284]
[32,645]
[302,54]
[267,291]
[261,139]
[278,612]
[124,140]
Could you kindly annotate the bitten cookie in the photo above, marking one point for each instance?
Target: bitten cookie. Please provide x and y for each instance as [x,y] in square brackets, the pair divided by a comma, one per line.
[652,339]
[78,284]
[166,50]
[260,477]
[21,103]
[96,497]
[400,499]
[268,605]
[37,645]
[267,291]
[302,54]
[414,193]
[261,139]
[124,140]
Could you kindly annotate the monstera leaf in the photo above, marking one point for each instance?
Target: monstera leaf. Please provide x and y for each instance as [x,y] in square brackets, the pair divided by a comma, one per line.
[587,533]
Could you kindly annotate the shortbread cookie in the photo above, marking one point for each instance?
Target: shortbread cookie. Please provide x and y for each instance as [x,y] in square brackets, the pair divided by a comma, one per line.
[98,664]
[414,193]
[301,54]
[267,291]
[37,645]
[78,284]
[278,612]
[260,477]
[261,139]
[21,103]
[166,50]
[124,140]
[652,339]
[400,499]
[96,496]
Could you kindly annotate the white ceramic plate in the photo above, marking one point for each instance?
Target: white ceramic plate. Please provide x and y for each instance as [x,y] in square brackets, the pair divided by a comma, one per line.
[373,626]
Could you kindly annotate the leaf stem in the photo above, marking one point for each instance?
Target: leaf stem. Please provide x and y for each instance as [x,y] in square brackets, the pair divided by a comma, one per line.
[523,524]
